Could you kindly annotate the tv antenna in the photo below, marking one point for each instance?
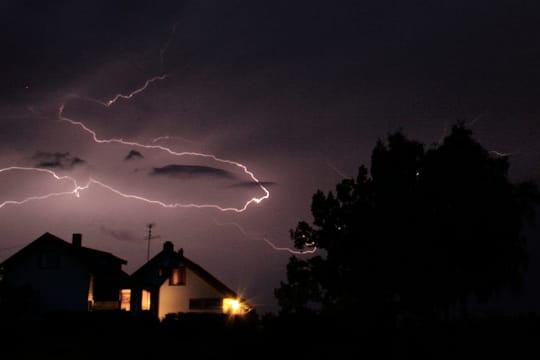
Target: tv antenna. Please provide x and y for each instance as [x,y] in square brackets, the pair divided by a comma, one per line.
[149,226]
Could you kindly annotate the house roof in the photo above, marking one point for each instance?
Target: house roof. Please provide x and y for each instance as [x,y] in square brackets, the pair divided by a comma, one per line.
[168,259]
[94,259]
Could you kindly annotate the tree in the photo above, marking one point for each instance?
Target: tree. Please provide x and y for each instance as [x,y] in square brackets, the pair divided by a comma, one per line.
[421,232]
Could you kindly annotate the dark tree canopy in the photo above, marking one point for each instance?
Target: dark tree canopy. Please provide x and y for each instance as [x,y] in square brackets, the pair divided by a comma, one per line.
[421,232]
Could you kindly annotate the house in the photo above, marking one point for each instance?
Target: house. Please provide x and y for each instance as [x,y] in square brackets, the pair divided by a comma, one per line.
[51,274]
[170,283]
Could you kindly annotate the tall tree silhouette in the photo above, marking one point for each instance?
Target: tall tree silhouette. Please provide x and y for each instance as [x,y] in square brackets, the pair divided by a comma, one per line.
[421,232]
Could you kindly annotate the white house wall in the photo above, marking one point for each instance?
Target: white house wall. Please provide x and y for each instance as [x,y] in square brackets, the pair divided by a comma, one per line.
[175,298]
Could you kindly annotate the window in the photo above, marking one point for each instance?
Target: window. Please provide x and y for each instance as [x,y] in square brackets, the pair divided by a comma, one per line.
[145,300]
[125,299]
[178,276]
[205,304]
[90,292]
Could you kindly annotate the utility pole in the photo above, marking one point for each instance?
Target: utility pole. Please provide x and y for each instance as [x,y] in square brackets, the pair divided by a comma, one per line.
[149,226]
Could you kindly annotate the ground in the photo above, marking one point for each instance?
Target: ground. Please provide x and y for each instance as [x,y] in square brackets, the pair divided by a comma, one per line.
[91,336]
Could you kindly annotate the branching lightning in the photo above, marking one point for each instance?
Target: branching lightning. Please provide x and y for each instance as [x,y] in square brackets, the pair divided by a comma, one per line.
[501,154]
[75,191]
[170,205]
[244,168]
[292,251]
[272,245]
[337,171]
[110,102]
[78,188]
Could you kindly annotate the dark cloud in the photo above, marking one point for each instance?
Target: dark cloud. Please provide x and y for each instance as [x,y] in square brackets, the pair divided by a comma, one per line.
[57,160]
[181,171]
[133,154]
[253,184]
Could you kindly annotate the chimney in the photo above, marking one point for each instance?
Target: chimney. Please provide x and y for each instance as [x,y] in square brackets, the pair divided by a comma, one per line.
[181,252]
[76,240]
[168,246]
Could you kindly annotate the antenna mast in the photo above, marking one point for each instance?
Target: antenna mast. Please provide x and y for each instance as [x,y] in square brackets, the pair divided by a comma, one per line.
[149,226]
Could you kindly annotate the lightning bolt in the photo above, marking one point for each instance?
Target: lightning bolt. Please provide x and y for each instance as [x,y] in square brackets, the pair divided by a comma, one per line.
[272,245]
[114,99]
[502,154]
[337,171]
[92,181]
[76,188]
[172,205]
[244,168]
[292,251]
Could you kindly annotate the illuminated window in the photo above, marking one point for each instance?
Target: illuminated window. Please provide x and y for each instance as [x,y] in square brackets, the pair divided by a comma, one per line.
[90,292]
[205,304]
[178,276]
[145,300]
[125,299]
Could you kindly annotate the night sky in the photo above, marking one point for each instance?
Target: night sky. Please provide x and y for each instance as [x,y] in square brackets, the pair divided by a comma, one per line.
[213,103]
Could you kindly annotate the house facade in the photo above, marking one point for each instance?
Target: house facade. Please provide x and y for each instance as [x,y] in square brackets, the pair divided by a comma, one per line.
[51,274]
[170,283]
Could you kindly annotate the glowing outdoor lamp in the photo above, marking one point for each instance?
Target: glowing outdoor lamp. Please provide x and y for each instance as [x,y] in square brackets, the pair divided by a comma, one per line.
[233,306]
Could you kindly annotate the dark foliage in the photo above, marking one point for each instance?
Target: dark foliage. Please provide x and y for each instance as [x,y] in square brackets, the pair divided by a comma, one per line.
[419,235]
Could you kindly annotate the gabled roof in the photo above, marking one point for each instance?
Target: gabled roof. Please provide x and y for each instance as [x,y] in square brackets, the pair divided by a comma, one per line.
[209,278]
[94,259]
[167,259]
